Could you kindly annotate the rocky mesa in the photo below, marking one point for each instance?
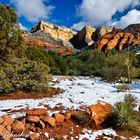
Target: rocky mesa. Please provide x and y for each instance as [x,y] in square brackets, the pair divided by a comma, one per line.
[64,40]
[51,37]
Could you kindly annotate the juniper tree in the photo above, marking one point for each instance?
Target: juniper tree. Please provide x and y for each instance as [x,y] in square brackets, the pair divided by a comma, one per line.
[10,34]
[16,71]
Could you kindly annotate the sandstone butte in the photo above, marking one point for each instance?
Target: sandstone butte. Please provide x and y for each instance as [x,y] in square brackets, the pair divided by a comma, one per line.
[64,39]
[55,31]
[118,40]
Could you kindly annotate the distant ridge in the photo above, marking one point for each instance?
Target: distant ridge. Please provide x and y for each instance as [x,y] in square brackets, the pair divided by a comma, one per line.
[48,35]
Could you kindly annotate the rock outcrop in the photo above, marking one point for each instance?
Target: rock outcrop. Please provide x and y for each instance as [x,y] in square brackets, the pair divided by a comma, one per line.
[104,30]
[84,38]
[64,40]
[88,36]
[55,31]
[120,39]
[99,112]
[43,40]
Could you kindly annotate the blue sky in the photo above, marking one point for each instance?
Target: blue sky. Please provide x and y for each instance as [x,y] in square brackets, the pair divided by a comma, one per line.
[77,13]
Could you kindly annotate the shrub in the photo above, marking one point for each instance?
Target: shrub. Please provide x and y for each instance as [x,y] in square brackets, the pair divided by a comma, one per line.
[138,60]
[123,88]
[25,75]
[130,100]
[124,116]
[112,74]
[82,118]
[135,72]
[37,54]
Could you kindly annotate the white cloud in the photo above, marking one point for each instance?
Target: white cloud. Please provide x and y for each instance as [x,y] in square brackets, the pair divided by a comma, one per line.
[131,17]
[33,10]
[79,25]
[23,27]
[99,12]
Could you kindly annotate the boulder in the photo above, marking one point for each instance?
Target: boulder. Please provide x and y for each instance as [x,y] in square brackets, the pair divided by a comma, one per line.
[99,112]
[42,124]
[1,120]
[18,127]
[37,112]
[8,120]
[59,117]
[8,127]
[34,136]
[4,133]
[50,120]
[68,115]
[30,126]
[34,119]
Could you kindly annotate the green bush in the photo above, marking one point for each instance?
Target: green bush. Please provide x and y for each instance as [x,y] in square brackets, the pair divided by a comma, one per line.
[93,62]
[130,100]
[58,65]
[25,75]
[37,54]
[112,74]
[123,88]
[135,72]
[120,65]
[138,60]
[113,68]
[123,115]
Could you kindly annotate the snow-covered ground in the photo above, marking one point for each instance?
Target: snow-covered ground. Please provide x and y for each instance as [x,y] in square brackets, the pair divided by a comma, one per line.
[79,91]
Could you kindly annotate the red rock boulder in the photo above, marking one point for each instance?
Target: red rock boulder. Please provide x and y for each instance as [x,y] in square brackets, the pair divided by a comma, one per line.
[18,127]
[99,112]
[37,112]
[50,120]
[59,117]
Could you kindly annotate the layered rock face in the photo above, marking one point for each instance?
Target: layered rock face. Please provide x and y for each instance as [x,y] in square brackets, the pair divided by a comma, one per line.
[84,37]
[120,39]
[42,39]
[88,36]
[63,40]
[104,30]
[55,31]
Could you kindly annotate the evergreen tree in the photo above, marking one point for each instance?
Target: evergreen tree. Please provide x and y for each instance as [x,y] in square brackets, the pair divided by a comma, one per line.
[17,72]
[10,34]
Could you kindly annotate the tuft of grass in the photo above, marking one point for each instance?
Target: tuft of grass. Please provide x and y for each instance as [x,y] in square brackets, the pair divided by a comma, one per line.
[123,88]
[124,115]
[82,118]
